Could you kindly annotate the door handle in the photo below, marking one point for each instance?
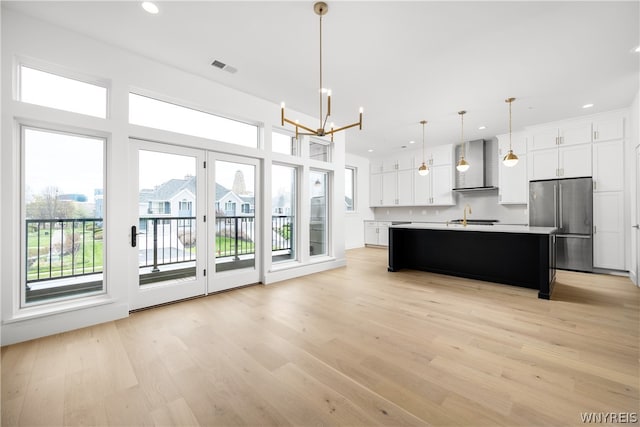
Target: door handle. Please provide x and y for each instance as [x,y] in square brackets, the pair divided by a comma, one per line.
[134,236]
[636,226]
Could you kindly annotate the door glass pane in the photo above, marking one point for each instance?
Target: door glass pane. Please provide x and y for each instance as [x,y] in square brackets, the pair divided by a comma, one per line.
[167,222]
[283,213]
[318,217]
[235,215]
[64,223]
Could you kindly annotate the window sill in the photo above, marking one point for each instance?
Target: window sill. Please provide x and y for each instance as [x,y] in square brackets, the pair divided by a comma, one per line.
[53,308]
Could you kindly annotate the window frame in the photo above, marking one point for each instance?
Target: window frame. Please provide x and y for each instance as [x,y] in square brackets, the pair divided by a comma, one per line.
[65,73]
[295,142]
[54,303]
[354,186]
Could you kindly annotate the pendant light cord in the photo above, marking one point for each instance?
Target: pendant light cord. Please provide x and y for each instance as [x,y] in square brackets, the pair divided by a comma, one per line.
[321,72]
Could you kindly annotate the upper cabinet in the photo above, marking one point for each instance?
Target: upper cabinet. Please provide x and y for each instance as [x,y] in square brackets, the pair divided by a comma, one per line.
[570,133]
[607,128]
[391,182]
[560,151]
[395,181]
[513,186]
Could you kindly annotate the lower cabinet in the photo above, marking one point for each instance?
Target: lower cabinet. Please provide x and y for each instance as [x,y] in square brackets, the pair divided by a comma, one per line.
[608,230]
[376,233]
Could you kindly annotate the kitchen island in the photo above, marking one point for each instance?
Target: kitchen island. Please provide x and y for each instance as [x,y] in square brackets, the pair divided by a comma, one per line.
[514,255]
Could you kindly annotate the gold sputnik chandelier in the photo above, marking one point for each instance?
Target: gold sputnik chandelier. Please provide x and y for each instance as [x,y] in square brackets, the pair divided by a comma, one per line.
[320,9]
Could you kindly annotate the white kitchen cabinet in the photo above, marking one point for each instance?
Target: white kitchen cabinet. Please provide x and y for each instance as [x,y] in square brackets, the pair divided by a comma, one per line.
[434,188]
[513,185]
[608,230]
[574,161]
[375,166]
[607,128]
[562,162]
[435,156]
[397,188]
[391,181]
[569,133]
[399,163]
[375,190]
[376,233]
[397,182]
[608,166]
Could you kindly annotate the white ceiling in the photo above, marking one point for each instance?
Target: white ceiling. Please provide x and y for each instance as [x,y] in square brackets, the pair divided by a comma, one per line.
[402,61]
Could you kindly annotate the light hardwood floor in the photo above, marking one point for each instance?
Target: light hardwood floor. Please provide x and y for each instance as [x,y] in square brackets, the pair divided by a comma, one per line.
[352,346]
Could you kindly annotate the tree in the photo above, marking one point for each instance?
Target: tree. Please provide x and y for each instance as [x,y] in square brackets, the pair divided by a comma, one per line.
[47,205]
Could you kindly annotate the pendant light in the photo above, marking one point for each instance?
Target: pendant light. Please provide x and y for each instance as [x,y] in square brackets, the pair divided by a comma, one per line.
[510,160]
[423,170]
[462,165]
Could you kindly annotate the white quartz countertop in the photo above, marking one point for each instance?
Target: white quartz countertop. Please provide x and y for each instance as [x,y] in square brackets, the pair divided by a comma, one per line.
[485,228]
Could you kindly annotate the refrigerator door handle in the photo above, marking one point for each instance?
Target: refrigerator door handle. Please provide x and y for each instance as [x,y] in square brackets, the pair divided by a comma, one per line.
[555,207]
[560,203]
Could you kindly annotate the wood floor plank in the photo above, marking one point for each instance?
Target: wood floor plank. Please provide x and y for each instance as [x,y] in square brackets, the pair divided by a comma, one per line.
[352,346]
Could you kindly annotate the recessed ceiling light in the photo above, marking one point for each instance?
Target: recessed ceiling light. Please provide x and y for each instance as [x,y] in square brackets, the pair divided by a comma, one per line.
[150,7]
[482,128]
[587,106]
[412,142]
[370,150]
[637,49]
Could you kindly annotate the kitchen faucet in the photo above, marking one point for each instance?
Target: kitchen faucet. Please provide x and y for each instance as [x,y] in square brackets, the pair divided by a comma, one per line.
[464,215]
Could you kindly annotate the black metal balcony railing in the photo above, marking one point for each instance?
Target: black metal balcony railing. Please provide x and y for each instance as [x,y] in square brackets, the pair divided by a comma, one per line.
[63,248]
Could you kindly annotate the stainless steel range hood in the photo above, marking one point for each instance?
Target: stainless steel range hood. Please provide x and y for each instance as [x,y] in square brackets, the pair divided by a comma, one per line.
[477,177]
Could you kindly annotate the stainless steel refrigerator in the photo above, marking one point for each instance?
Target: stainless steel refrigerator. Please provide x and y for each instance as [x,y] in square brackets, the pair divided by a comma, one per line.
[566,204]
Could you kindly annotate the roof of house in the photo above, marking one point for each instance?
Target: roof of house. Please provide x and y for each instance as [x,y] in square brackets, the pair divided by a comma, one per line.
[168,189]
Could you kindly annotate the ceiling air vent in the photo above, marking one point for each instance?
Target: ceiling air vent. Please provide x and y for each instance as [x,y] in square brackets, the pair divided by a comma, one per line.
[223,66]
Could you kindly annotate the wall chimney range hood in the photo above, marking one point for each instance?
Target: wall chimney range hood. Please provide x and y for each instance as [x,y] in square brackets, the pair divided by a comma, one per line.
[476,178]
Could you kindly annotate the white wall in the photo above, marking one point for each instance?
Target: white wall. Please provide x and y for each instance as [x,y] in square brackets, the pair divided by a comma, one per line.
[354,221]
[55,48]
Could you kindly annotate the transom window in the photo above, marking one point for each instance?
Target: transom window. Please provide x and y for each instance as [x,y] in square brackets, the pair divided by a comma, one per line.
[153,113]
[54,91]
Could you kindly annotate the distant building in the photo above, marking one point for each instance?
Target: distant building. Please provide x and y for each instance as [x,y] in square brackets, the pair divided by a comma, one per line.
[176,198]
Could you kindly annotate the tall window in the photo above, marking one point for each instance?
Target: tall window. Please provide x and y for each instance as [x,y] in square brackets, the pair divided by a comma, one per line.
[145,111]
[350,189]
[51,90]
[283,213]
[63,223]
[318,221]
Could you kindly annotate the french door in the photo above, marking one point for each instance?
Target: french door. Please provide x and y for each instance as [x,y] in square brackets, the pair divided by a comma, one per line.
[234,233]
[194,229]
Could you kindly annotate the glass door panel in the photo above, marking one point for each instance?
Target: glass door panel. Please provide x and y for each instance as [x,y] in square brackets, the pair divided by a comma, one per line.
[234,233]
[168,225]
